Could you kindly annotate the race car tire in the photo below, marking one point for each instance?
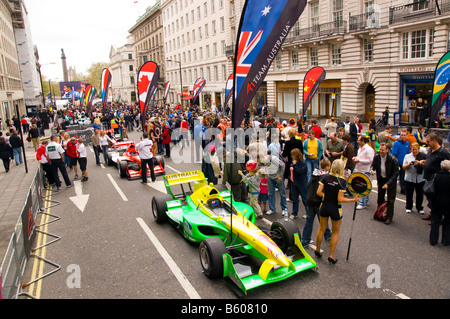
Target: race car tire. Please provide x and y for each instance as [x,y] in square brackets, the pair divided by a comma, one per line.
[123,169]
[211,251]
[159,159]
[110,161]
[285,231]
[159,207]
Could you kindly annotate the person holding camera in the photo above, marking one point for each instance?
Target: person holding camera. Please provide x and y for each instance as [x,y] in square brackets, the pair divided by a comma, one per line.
[414,178]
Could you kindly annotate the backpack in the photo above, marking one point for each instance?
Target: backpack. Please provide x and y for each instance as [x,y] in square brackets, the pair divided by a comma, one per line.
[347,127]
[312,198]
[381,212]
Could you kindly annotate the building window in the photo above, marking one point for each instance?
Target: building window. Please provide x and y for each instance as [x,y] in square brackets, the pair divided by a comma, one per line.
[431,42]
[335,54]
[287,99]
[418,44]
[294,59]
[130,67]
[314,56]
[278,64]
[338,8]
[314,13]
[368,50]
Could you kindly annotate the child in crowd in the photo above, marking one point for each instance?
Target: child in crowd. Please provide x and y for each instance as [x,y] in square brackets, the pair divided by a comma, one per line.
[253,180]
[263,190]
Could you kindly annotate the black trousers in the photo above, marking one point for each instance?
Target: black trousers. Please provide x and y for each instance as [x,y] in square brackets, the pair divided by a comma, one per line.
[167,150]
[47,167]
[391,194]
[144,163]
[440,215]
[6,163]
[418,188]
[58,164]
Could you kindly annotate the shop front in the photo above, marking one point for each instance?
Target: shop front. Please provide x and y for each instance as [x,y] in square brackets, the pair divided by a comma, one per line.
[327,101]
[413,88]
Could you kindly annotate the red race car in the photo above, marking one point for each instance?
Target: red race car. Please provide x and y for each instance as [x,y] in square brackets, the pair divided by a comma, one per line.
[129,163]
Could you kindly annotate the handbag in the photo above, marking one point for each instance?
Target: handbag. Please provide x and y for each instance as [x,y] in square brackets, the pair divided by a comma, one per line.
[381,212]
[428,187]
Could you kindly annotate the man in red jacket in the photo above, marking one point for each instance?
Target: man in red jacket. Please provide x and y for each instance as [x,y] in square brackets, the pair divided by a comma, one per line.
[166,139]
[45,162]
[71,151]
[316,128]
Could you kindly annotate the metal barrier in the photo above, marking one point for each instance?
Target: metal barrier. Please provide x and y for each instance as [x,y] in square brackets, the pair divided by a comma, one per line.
[20,249]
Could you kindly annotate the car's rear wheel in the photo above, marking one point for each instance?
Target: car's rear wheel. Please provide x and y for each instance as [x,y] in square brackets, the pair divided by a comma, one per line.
[159,207]
[283,233]
[211,251]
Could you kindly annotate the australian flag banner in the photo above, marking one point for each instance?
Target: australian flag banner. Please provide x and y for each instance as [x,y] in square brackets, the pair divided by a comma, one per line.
[441,88]
[311,83]
[263,28]
[105,82]
[147,85]
[198,87]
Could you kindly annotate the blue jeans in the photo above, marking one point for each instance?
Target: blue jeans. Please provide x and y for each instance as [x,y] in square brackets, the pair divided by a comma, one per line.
[311,164]
[296,191]
[272,183]
[17,155]
[105,153]
[97,154]
[311,212]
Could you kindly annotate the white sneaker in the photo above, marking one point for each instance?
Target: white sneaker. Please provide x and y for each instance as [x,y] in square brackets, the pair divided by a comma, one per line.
[408,211]
[292,217]
[360,206]
[421,212]
[304,216]
[269,212]
[284,213]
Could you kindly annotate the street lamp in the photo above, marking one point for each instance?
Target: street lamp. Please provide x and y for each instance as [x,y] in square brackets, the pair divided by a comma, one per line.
[40,77]
[181,79]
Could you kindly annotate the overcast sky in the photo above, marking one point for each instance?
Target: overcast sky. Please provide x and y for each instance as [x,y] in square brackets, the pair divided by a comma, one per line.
[85,29]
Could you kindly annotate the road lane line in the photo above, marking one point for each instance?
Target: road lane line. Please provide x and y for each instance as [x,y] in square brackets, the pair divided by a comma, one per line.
[173,169]
[192,293]
[124,198]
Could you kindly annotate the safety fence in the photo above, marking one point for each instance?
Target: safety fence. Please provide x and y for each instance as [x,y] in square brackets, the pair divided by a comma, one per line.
[20,248]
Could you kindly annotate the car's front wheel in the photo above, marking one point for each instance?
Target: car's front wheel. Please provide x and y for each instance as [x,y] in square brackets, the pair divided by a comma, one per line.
[283,233]
[211,251]
[123,169]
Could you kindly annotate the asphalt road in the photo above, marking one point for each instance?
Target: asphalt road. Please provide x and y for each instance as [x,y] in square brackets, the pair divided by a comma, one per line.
[113,249]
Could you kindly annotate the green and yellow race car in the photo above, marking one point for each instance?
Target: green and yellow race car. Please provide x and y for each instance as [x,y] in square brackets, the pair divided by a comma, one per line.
[231,245]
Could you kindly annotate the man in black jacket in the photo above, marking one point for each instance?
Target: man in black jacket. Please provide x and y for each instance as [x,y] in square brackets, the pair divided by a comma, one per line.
[16,144]
[385,165]
[292,143]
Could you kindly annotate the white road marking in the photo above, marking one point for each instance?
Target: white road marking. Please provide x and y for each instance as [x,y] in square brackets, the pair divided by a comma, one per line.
[125,199]
[188,288]
[80,200]
[158,185]
[173,169]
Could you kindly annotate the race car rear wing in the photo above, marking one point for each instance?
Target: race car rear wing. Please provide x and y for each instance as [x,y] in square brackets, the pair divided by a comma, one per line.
[196,177]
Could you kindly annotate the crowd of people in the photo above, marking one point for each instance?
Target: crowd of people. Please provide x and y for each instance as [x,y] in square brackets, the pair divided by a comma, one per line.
[295,158]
